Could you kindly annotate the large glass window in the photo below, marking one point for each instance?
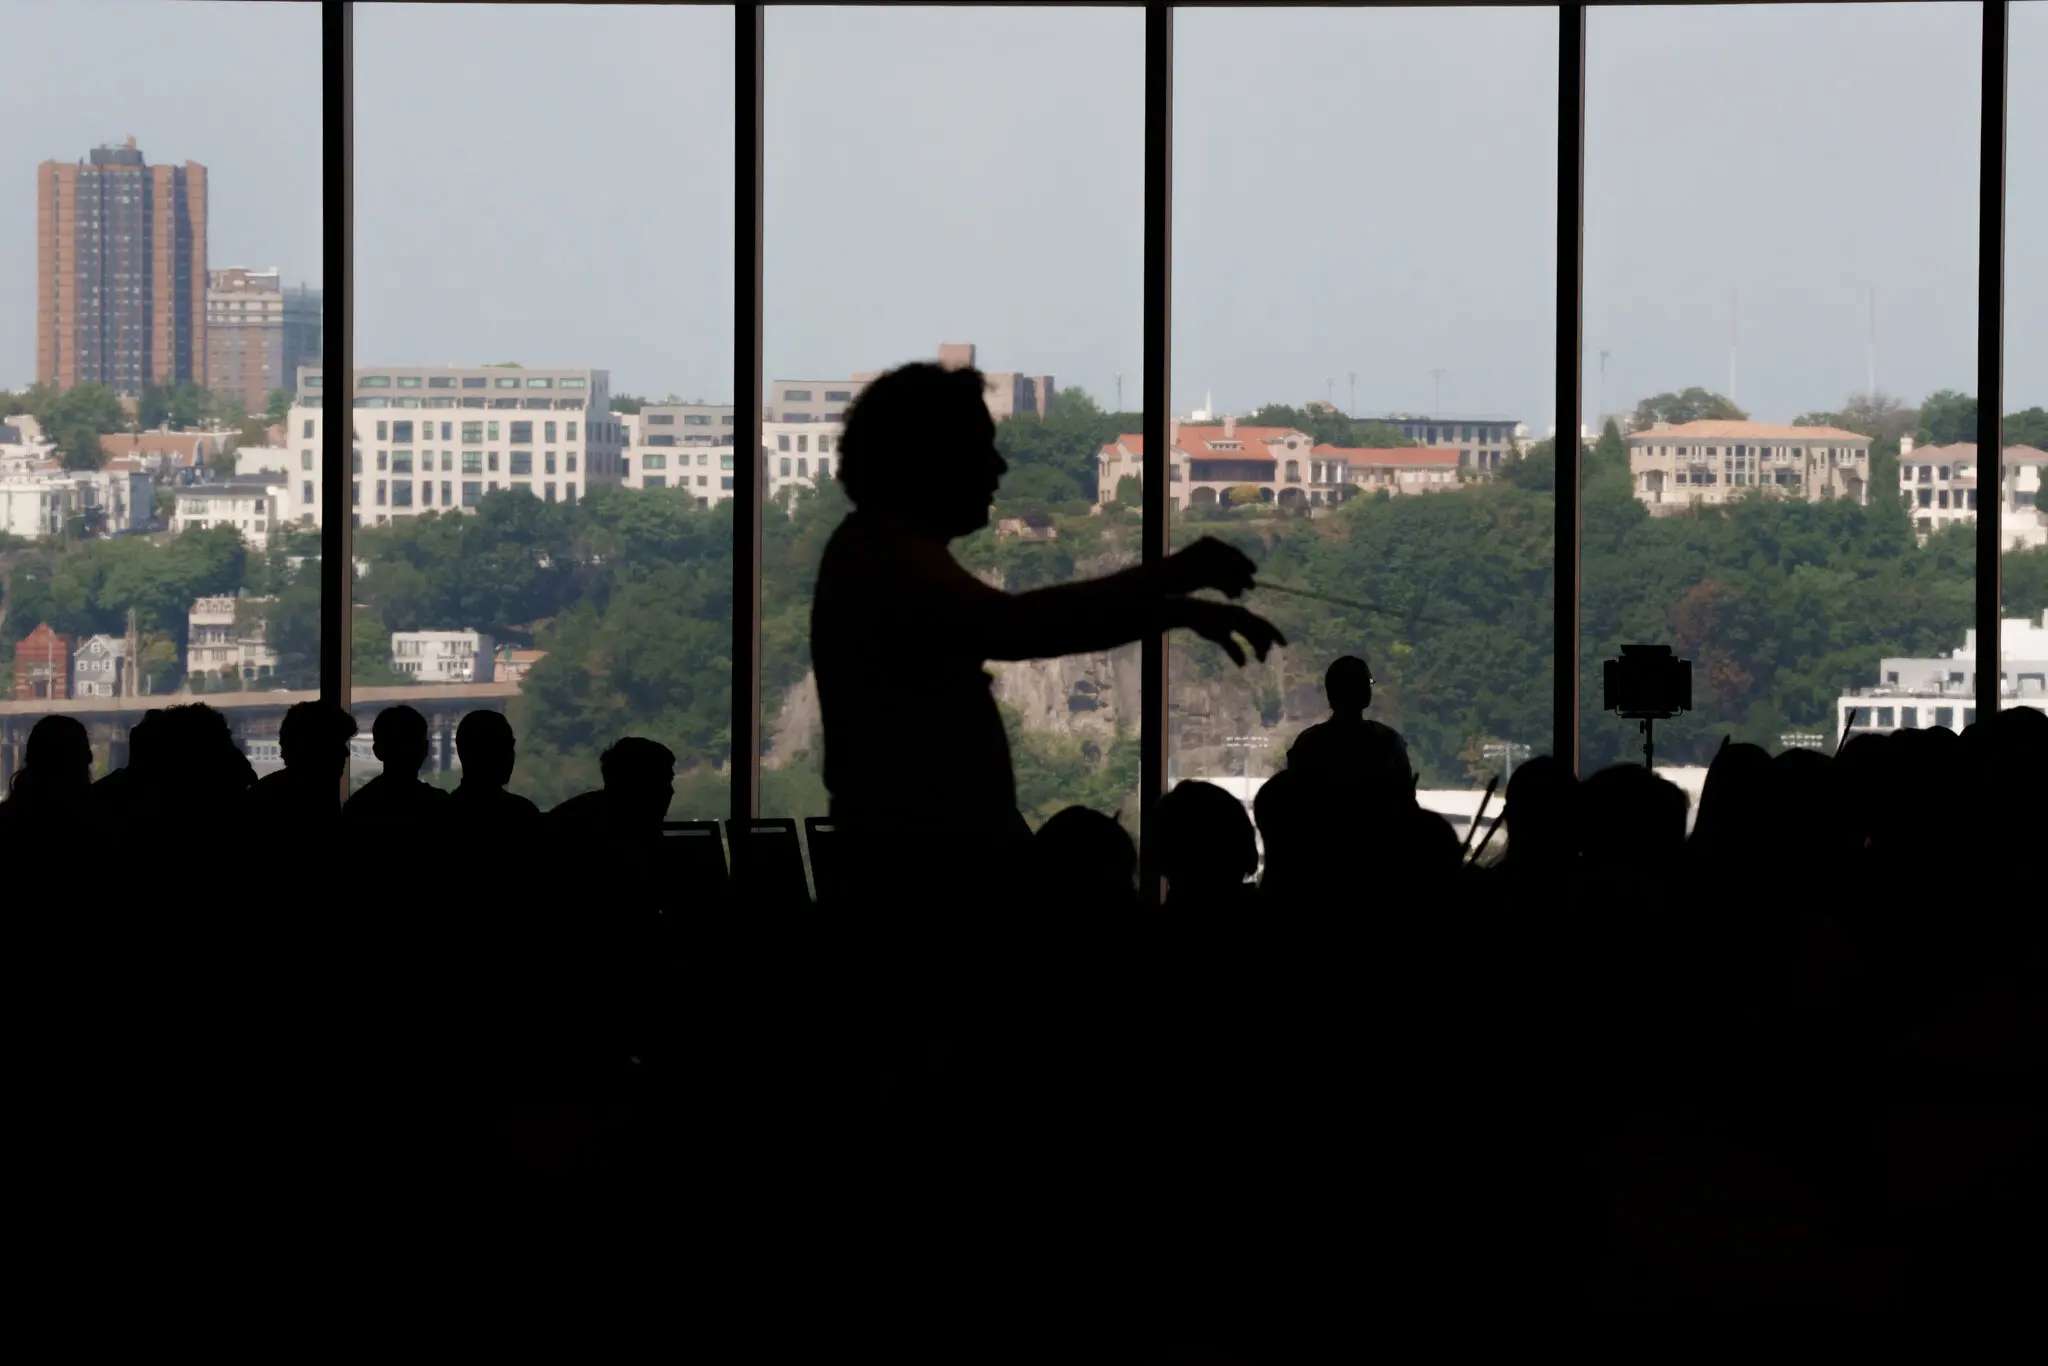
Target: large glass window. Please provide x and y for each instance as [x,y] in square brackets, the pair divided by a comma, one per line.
[2023,510]
[124,584]
[1060,344]
[1766,382]
[593,610]
[1363,381]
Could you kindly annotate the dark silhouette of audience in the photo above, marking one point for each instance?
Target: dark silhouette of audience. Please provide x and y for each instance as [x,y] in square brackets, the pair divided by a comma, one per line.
[396,799]
[303,799]
[1208,850]
[1789,1058]
[639,782]
[48,795]
[1087,864]
[485,747]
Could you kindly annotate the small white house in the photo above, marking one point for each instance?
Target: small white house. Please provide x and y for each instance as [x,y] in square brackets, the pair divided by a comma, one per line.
[250,506]
[223,640]
[99,667]
[443,656]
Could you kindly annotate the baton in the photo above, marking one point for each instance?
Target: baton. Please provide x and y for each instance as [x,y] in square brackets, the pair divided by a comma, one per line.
[1340,602]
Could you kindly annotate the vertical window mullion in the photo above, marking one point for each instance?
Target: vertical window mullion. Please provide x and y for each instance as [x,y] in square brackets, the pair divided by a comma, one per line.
[1571,195]
[746,486]
[1991,360]
[337,420]
[1158,304]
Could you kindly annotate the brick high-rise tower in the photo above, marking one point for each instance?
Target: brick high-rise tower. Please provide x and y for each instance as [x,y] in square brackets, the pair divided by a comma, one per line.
[120,271]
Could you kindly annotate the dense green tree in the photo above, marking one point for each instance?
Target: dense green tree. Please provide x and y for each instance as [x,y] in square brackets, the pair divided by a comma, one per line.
[37,400]
[2028,427]
[1879,416]
[627,403]
[1691,405]
[153,407]
[2023,574]
[1039,489]
[292,630]
[1068,439]
[1947,417]
[1536,471]
[76,419]
[278,406]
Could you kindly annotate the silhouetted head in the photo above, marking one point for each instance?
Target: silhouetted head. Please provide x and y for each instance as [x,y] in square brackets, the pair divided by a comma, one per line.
[639,778]
[1805,795]
[192,747]
[484,743]
[1631,819]
[398,737]
[313,739]
[56,761]
[1543,812]
[1735,801]
[143,745]
[1348,686]
[1085,854]
[919,445]
[1207,846]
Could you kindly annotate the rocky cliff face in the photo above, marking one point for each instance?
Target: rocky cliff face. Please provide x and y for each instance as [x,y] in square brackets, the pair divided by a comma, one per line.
[1090,695]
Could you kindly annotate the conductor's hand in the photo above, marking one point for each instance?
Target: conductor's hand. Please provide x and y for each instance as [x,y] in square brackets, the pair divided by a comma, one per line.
[1223,622]
[1210,564]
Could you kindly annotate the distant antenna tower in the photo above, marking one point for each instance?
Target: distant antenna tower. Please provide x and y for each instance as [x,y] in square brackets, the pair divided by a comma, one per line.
[1731,346]
[1873,343]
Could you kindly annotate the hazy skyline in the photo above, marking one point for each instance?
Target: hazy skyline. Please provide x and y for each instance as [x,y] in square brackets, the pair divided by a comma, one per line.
[1366,191]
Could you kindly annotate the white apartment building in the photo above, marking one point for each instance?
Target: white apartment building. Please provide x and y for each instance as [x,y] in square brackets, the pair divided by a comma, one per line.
[1919,694]
[254,460]
[33,506]
[798,453]
[26,456]
[1940,486]
[438,438]
[686,446]
[1675,467]
[224,638]
[686,424]
[252,506]
[38,502]
[706,473]
[443,656]
[116,499]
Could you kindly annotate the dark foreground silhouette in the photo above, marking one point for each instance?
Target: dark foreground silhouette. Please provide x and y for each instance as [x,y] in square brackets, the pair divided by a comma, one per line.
[1619,1068]
[312,1057]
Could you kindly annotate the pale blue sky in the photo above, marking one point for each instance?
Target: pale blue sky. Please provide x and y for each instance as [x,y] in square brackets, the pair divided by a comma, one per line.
[1364,191]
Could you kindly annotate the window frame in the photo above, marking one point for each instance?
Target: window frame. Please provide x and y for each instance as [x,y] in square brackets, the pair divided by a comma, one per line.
[745,456]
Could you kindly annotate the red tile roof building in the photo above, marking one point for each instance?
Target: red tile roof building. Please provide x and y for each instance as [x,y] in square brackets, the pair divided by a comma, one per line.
[1209,461]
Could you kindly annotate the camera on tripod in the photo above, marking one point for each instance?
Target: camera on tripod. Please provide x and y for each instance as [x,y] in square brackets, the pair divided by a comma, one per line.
[1647,684]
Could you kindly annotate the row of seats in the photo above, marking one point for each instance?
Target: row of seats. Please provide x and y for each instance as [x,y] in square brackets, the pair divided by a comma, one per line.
[766,867]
